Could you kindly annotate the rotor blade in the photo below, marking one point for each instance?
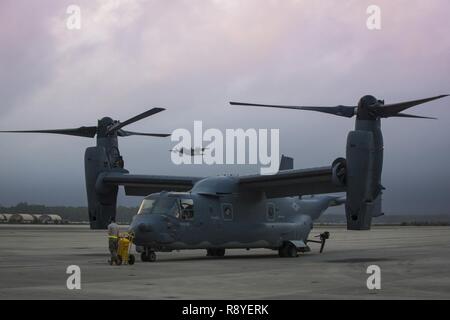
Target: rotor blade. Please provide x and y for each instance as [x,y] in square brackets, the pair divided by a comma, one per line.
[135,118]
[405,115]
[88,132]
[123,133]
[343,111]
[390,110]
[233,103]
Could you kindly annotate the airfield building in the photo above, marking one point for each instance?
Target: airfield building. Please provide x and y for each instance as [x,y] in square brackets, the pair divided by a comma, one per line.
[21,218]
[7,216]
[50,219]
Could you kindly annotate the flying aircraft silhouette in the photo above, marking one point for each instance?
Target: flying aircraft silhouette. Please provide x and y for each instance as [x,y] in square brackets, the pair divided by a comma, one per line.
[190,152]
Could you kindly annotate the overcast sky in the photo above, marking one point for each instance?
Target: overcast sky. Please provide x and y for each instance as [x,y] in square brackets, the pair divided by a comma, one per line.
[194,56]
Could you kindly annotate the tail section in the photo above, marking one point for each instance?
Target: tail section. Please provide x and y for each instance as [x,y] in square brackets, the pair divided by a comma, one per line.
[286,163]
[318,204]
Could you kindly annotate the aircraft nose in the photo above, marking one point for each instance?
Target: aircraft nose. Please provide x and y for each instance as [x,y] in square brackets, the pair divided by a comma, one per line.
[143,227]
[143,232]
[151,230]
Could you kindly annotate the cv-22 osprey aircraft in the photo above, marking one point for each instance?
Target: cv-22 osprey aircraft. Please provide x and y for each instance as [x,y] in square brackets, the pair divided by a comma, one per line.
[256,211]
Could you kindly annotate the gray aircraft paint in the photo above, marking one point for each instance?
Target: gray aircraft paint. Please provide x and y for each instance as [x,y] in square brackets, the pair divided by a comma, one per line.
[250,227]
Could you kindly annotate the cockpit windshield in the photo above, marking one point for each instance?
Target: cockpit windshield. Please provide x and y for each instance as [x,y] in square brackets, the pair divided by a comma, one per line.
[162,205]
[180,207]
[146,206]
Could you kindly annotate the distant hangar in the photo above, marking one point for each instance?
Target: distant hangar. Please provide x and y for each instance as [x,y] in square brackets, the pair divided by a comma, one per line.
[26,218]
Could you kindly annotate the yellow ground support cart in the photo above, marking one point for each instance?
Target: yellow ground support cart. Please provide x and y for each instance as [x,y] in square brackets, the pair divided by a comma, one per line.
[123,252]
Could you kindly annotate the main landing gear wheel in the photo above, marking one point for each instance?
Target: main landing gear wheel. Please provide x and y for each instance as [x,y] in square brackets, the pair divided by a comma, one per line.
[148,256]
[287,250]
[282,252]
[220,252]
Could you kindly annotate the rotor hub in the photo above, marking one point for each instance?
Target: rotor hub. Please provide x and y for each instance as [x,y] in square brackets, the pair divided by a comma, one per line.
[365,109]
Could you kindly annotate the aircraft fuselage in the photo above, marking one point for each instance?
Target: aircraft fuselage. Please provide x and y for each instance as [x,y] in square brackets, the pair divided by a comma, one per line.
[215,214]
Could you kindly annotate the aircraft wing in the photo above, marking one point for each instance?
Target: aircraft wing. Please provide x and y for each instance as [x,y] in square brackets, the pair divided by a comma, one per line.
[142,185]
[293,182]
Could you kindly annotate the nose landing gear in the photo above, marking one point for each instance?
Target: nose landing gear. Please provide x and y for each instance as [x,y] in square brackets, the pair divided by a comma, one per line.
[148,255]
[219,252]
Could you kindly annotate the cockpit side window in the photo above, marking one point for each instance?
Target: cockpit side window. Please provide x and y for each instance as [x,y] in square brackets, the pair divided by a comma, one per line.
[186,209]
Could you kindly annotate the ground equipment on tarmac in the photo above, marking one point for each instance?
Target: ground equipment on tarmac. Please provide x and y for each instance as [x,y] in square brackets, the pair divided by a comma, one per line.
[124,248]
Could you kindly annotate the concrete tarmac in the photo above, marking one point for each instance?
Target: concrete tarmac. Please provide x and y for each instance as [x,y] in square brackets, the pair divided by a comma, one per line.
[414,264]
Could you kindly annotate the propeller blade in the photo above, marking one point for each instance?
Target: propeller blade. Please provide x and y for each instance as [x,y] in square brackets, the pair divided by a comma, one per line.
[405,115]
[88,132]
[135,119]
[123,133]
[343,111]
[233,103]
[390,110]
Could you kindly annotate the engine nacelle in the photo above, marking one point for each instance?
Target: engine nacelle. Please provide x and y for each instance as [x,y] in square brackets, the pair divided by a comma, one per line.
[363,179]
[101,200]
